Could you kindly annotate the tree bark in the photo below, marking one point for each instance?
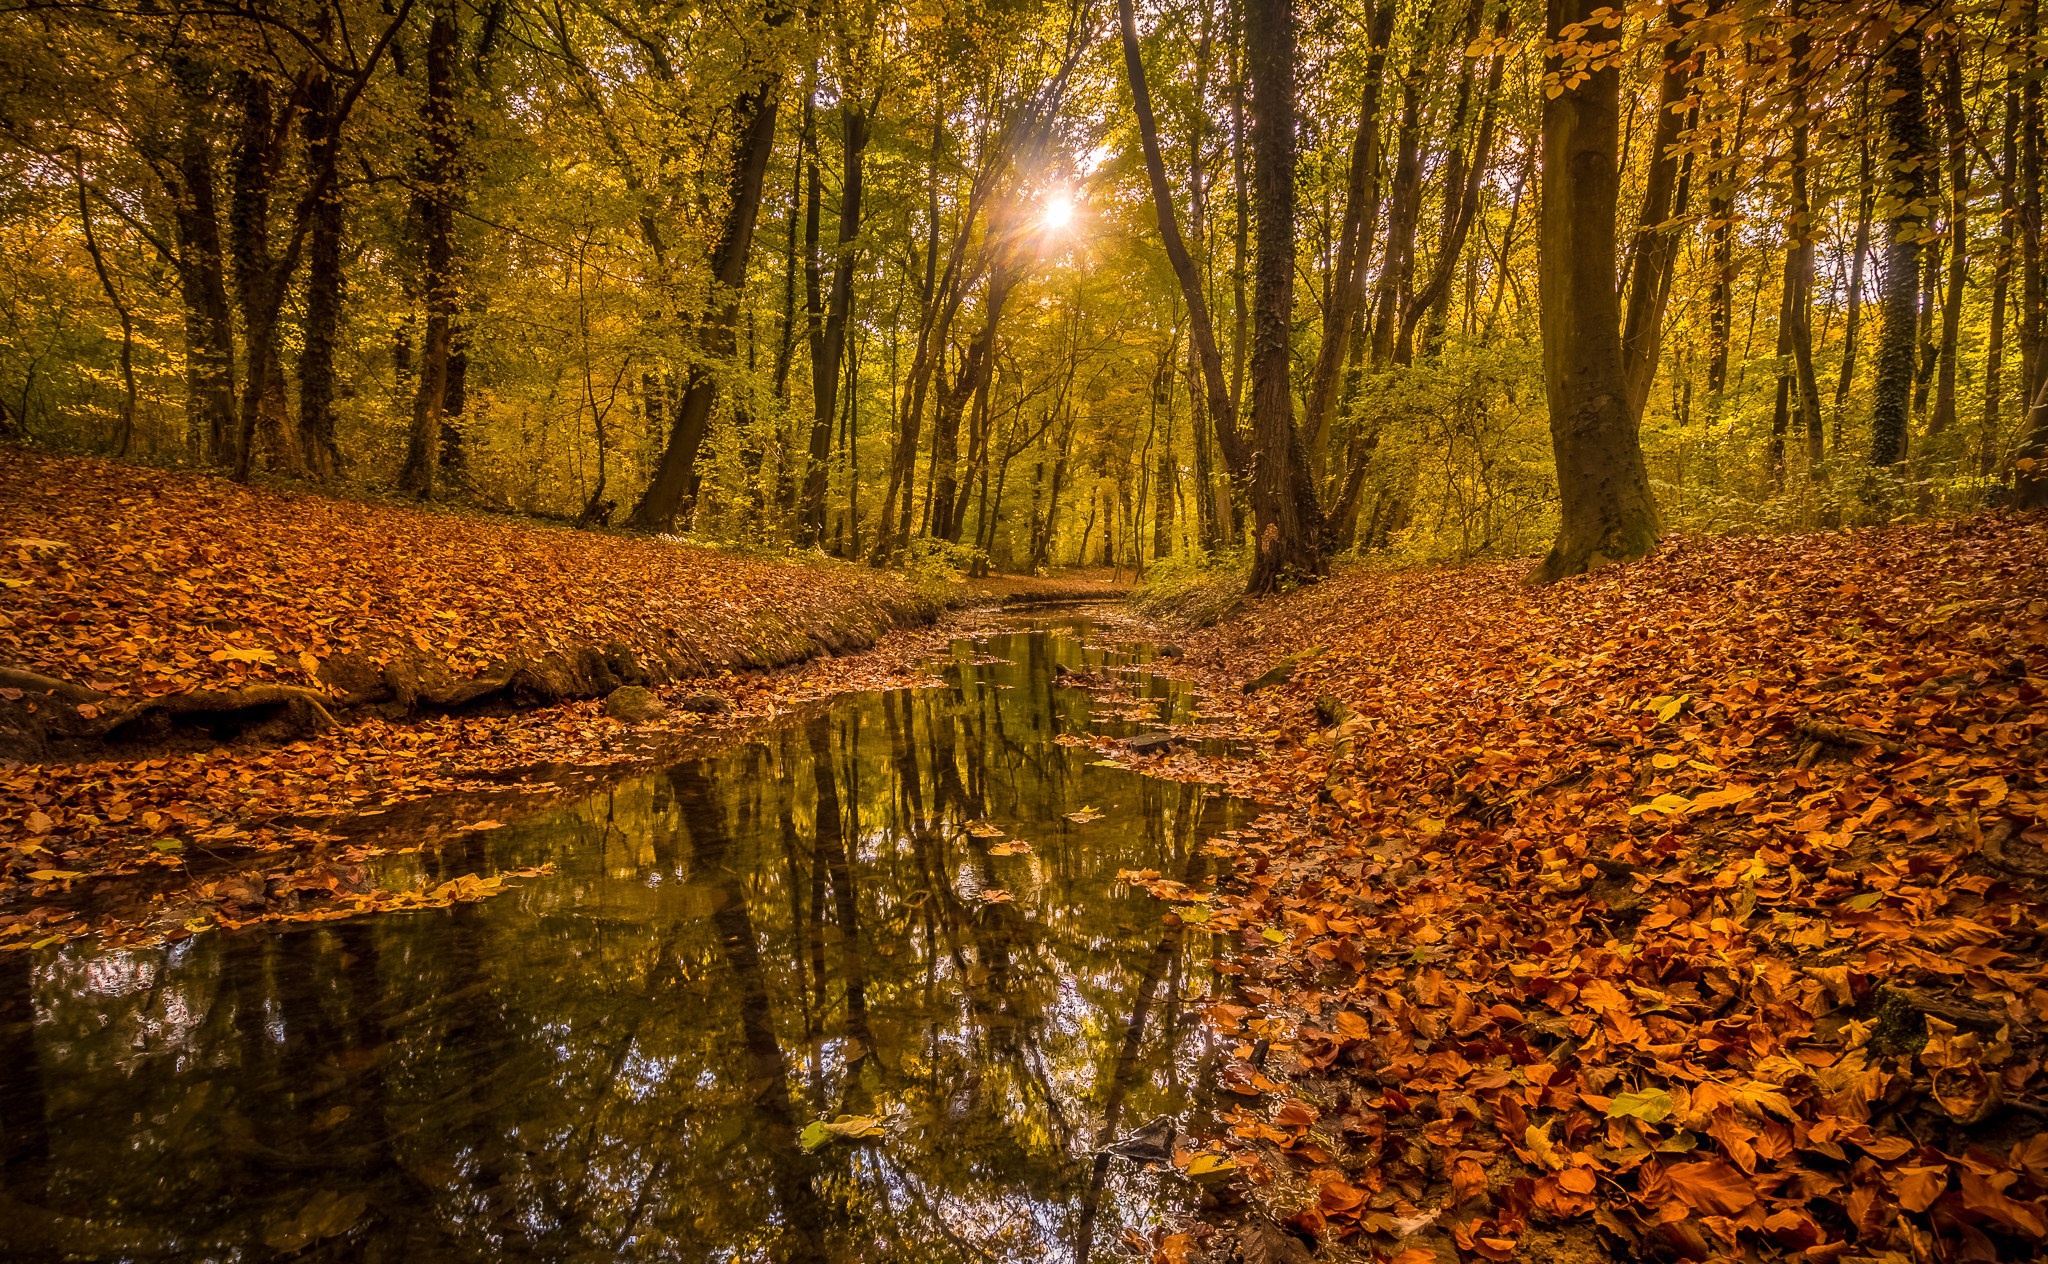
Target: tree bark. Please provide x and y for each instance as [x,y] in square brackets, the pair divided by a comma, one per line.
[1906,127]
[323,290]
[1465,173]
[1607,512]
[1221,407]
[124,437]
[435,207]
[202,276]
[753,114]
[1953,123]
[1354,243]
[830,345]
[2001,284]
[2031,464]
[1654,253]
[1289,544]
[1860,250]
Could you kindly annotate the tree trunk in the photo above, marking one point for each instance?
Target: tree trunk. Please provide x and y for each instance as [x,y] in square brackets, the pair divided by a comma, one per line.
[323,290]
[1404,210]
[1222,410]
[1906,126]
[435,207]
[1465,173]
[753,114]
[2001,284]
[1654,254]
[1860,250]
[1607,512]
[829,347]
[260,277]
[1354,243]
[202,275]
[1289,544]
[2031,464]
[1953,123]
[124,437]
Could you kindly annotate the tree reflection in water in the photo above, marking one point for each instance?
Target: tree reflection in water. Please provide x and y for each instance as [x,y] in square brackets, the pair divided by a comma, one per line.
[618,1061]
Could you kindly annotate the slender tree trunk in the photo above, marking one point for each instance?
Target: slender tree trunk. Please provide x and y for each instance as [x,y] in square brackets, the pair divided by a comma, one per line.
[2031,463]
[831,344]
[323,290]
[1354,244]
[260,277]
[1222,411]
[1404,210]
[1798,313]
[1654,253]
[1465,172]
[1866,185]
[124,436]
[1607,512]
[202,273]
[1953,123]
[1290,530]
[1906,127]
[435,206]
[753,115]
[2001,283]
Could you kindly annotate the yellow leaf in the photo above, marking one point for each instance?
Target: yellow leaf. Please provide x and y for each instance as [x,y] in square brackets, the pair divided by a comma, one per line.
[1668,803]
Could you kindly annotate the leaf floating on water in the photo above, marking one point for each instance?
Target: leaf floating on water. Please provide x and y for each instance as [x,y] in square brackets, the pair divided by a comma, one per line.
[1084,814]
[819,1133]
[55,875]
[995,895]
[1209,1165]
[477,827]
[984,829]
[1014,847]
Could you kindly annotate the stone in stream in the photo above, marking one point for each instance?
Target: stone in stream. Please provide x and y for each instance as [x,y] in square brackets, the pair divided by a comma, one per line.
[633,704]
[704,702]
[1151,743]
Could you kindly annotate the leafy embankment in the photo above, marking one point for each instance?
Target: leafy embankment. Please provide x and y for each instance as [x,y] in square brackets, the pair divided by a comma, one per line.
[366,651]
[1692,908]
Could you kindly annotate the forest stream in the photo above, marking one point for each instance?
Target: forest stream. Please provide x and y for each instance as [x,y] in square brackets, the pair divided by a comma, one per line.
[637,1055]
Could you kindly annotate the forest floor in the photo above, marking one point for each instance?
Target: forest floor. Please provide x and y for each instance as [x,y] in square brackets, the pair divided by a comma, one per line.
[197,678]
[1693,908]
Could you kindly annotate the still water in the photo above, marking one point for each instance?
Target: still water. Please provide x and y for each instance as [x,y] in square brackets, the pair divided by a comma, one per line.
[619,1061]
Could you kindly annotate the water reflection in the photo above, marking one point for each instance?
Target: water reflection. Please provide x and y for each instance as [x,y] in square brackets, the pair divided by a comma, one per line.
[619,1061]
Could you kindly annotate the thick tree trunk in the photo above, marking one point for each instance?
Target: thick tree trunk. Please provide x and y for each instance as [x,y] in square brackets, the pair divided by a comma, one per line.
[753,114]
[828,349]
[1906,128]
[1607,512]
[1289,543]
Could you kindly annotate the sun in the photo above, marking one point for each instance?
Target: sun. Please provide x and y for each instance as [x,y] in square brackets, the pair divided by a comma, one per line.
[1058,212]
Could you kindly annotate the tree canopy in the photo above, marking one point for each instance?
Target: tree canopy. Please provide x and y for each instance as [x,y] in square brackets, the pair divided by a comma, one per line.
[1041,282]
